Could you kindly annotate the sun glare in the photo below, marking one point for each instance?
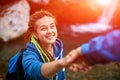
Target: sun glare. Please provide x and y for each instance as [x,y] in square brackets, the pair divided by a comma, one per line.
[104,2]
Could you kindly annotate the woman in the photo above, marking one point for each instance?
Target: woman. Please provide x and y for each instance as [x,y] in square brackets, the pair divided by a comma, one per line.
[42,39]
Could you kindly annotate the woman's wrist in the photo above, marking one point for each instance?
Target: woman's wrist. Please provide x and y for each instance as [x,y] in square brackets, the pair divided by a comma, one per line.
[61,63]
[80,54]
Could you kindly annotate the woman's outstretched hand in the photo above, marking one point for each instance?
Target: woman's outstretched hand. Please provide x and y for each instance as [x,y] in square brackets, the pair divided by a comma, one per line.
[77,62]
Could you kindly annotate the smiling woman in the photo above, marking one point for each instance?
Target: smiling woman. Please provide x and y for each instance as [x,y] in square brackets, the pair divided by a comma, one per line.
[43,57]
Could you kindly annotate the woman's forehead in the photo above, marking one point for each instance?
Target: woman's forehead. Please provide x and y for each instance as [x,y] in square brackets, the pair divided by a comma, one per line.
[45,21]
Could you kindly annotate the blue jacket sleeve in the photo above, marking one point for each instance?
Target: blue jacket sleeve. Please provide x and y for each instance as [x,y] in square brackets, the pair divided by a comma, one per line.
[103,49]
[32,66]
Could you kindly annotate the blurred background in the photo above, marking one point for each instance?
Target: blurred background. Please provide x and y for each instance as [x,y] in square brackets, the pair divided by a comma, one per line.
[78,21]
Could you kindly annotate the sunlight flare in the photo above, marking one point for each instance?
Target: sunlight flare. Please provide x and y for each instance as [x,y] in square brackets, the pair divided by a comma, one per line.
[104,2]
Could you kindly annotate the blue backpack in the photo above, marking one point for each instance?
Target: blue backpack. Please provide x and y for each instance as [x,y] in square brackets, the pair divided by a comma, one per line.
[15,68]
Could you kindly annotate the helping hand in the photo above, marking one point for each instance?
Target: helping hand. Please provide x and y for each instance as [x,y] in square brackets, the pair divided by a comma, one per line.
[77,62]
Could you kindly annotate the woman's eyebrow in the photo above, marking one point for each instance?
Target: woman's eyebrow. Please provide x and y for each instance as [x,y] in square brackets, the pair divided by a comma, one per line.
[41,26]
[45,25]
[52,23]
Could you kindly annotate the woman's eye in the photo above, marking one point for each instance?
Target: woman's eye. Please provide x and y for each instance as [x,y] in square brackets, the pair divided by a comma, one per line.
[43,28]
[53,26]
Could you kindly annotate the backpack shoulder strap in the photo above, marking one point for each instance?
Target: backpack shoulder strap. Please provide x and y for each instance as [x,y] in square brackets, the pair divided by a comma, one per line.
[19,69]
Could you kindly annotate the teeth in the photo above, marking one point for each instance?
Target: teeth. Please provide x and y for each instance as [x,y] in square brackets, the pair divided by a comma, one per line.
[50,36]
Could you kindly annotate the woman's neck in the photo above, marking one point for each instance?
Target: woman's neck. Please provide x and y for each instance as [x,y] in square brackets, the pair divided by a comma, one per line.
[48,48]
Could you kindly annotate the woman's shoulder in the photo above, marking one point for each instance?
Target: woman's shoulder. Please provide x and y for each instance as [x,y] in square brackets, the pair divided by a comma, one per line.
[31,49]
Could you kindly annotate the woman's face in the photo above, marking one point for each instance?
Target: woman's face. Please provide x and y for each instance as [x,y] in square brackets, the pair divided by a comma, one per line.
[46,31]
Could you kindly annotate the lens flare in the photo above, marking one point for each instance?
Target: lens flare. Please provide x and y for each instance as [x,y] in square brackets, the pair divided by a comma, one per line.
[104,2]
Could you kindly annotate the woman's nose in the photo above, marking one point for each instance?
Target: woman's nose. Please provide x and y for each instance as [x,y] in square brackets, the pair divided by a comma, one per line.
[49,30]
